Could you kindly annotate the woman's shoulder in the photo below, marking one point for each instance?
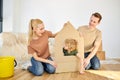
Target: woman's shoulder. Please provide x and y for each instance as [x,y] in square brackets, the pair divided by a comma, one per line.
[47,31]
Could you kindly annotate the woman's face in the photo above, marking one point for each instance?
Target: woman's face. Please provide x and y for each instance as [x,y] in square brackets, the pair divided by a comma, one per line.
[39,29]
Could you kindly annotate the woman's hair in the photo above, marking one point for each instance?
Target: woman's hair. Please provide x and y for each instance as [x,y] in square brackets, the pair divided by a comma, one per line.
[71,44]
[33,23]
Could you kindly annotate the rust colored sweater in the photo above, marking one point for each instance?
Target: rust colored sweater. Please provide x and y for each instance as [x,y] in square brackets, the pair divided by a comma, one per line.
[40,45]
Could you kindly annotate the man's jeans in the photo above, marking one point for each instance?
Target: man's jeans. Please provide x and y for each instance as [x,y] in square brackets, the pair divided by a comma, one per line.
[38,67]
[94,62]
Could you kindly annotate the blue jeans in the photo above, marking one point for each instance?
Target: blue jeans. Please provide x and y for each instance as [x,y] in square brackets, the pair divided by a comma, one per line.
[38,67]
[94,62]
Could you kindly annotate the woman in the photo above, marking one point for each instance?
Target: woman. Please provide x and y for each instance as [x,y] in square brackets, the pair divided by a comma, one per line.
[38,46]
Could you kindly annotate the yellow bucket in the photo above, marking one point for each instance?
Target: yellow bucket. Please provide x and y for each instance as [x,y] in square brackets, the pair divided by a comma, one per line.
[7,64]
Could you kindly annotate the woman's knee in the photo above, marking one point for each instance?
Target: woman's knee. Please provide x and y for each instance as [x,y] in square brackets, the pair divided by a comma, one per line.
[51,69]
[38,72]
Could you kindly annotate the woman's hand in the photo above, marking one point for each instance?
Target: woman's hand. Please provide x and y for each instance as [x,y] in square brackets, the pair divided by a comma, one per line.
[53,63]
[65,24]
[44,60]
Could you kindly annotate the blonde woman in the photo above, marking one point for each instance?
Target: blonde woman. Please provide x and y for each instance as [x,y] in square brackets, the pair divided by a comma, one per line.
[38,46]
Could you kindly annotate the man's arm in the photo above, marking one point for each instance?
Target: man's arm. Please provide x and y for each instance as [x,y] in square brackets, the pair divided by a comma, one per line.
[94,49]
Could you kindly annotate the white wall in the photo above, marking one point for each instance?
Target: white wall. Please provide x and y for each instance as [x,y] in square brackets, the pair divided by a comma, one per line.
[7,15]
[54,13]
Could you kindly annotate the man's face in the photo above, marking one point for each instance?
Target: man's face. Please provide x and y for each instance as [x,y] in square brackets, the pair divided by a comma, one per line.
[94,21]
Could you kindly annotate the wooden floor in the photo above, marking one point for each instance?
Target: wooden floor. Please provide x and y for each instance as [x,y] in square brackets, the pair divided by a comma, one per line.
[107,72]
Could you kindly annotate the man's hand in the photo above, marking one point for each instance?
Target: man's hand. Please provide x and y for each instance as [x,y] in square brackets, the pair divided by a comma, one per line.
[86,62]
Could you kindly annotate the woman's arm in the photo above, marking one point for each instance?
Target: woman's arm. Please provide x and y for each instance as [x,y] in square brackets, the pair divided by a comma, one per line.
[53,35]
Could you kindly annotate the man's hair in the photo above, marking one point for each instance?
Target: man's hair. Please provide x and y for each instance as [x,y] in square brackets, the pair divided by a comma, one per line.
[98,15]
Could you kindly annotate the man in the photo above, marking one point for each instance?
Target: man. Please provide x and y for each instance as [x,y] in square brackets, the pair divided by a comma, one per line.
[92,39]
